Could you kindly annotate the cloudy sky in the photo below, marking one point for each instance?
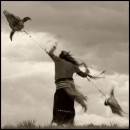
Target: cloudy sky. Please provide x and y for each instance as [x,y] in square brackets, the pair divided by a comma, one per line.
[96,32]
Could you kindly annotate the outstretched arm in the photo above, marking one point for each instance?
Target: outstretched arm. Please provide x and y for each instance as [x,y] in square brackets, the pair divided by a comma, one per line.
[84,74]
[81,73]
[51,53]
[88,72]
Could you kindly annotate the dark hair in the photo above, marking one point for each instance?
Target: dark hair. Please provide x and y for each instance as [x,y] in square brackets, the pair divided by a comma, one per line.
[66,56]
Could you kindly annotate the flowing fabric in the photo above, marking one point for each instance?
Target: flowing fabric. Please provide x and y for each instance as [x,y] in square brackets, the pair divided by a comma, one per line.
[71,90]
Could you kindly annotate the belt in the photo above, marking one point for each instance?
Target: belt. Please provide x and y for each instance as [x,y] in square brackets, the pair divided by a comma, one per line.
[63,79]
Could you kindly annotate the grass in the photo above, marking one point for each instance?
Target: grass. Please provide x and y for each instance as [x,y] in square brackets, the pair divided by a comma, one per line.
[31,124]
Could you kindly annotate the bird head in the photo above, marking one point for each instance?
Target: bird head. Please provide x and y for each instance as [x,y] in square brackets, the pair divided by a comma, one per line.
[26,19]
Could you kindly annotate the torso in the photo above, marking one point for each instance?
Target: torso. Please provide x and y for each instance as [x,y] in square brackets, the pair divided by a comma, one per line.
[64,69]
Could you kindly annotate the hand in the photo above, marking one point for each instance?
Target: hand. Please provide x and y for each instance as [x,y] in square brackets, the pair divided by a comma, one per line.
[53,49]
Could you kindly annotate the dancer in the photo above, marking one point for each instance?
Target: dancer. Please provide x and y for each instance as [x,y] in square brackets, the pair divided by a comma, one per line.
[66,93]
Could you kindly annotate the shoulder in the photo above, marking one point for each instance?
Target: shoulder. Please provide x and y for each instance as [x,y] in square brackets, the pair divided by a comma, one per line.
[54,57]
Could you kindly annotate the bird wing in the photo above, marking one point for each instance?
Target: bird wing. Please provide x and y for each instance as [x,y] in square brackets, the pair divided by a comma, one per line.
[116,111]
[113,103]
[11,18]
[14,21]
[15,17]
[11,34]
[115,107]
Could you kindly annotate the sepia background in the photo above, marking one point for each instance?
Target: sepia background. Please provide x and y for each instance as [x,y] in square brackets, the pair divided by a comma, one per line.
[96,32]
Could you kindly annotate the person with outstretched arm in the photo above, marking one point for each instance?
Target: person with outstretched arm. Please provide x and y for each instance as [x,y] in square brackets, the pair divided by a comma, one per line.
[66,92]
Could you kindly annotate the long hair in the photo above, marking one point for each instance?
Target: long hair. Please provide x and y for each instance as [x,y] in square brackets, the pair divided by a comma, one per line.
[66,56]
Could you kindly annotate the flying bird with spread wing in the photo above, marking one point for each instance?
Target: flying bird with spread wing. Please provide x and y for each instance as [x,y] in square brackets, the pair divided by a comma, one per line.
[113,104]
[15,22]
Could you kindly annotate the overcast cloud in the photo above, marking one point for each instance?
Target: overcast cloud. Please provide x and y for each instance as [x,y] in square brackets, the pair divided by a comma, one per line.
[96,32]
